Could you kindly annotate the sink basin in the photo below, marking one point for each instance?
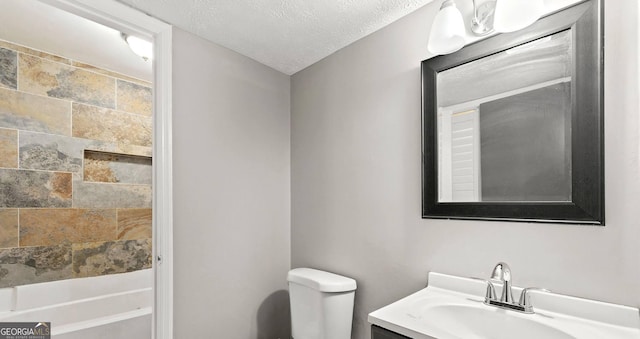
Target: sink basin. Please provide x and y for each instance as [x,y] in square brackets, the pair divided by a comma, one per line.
[470,321]
[452,308]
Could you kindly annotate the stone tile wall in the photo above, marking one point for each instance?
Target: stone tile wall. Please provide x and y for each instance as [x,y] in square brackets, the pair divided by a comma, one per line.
[75,169]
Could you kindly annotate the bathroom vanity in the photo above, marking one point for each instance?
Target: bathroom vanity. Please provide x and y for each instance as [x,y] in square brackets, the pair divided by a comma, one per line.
[381,333]
[453,307]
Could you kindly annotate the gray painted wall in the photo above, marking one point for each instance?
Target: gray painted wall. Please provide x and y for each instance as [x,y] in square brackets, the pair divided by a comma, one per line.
[231,193]
[356,180]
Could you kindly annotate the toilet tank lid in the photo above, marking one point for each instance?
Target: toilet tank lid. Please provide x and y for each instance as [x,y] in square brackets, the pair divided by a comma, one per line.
[320,280]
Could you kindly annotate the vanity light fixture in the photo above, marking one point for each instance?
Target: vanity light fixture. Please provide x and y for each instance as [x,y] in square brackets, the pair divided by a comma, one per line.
[139,46]
[502,16]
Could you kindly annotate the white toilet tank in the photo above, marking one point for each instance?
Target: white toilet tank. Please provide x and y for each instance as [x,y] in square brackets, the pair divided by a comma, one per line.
[321,304]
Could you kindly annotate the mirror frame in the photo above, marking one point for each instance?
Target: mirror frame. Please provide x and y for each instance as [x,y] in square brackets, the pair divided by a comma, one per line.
[587,120]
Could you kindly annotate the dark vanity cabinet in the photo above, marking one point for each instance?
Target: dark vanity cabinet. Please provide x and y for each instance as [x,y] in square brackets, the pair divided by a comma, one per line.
[381,333]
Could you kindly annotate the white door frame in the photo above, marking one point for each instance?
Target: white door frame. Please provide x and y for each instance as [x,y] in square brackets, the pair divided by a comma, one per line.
[128,20]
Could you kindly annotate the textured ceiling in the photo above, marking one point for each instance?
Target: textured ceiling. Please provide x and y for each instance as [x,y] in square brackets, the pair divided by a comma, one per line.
[287,35]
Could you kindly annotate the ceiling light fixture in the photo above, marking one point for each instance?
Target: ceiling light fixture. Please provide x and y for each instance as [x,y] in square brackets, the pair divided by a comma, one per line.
[448,30]
[139,46]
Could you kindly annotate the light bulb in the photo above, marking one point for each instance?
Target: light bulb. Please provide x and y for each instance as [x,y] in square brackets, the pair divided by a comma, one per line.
[139,46]
[447,32]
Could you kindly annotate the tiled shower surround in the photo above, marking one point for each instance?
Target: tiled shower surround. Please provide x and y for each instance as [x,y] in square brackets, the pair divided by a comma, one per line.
[75,169]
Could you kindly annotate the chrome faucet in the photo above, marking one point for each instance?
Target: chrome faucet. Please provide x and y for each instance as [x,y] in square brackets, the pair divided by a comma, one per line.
[502,273]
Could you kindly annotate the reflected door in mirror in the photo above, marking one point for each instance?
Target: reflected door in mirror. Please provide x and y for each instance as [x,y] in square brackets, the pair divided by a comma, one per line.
[504,125]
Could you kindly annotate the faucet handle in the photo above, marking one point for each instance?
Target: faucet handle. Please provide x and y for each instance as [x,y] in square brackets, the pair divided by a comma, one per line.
[525,300]
[491,290]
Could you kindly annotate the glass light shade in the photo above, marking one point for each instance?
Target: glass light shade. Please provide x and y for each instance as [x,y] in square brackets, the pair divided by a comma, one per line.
[448,31]
[512,15]
[139,46]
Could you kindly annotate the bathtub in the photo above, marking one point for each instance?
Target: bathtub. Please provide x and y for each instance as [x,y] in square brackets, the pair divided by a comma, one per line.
[113,306]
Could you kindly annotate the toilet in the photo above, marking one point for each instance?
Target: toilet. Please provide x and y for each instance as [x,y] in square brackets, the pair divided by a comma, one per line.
[321,304]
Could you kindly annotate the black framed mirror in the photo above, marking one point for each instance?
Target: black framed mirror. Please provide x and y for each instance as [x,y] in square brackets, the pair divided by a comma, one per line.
[513,124]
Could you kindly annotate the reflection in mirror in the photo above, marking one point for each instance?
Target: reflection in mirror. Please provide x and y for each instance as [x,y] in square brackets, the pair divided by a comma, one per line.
[504,125]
